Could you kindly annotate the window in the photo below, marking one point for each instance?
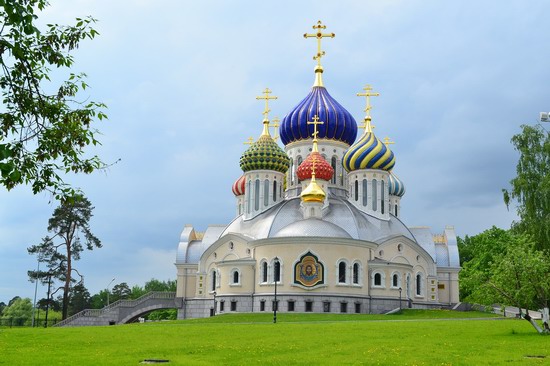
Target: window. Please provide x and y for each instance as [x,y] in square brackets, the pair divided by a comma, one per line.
[266,192]
[355,273]
[248,197]
[264,272]
[342,272]
[343,307]
[274,191]
[419,284]
[395,280]
[309,306]
[374,195]
[298,165]
[395,210]
[291,172]
[235,277]
[326,306]
[222,306]
[333,165]
[213,280]
[382,189]
[276,271]
[365,190]
[257,195]
[357,308]
[290,305]
[441,286]
[233,305]
[377,279]
[262,305]
[356,190]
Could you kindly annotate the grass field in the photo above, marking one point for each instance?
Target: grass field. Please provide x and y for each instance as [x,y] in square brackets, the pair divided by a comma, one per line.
[411,338]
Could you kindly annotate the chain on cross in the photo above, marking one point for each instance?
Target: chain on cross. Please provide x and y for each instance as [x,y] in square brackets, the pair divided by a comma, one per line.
[319,35]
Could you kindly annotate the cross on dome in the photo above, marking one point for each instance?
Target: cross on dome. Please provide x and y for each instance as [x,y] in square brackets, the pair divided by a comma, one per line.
[275,125]
[249,141]
[387,141]
[315,122]
[266,111]
[367,94]
[319,35]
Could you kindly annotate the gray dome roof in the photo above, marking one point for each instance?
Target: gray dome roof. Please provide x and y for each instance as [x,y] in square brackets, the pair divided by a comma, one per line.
[349,221]
[312,227]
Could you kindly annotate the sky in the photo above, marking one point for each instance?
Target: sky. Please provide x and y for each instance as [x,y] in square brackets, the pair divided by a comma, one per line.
[456,81]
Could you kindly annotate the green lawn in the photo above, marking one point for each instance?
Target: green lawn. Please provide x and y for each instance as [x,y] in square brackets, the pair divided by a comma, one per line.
[411,338]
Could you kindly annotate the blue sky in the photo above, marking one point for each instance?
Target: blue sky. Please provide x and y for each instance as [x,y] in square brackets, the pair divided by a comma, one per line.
[456,79]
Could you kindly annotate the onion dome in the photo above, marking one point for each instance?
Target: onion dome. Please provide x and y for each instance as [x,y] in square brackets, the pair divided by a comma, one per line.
[313,192]
[396,186]
[265,154]
[338,124]
[368,153]
[323,170]
[238,186]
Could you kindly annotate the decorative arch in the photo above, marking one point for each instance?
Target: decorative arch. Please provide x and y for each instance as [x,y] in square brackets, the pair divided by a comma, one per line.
[309,271]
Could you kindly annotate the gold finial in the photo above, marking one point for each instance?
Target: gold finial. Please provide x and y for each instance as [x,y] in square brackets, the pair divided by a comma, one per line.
[275,125]
[315,122]
[320,53]
[367,120]
[249,141]
[266,111]
[387,141]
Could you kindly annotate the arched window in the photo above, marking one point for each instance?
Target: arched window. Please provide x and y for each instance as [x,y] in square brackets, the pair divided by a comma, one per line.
[266,193]
[235,280]
[395,280]
[248,197]
[342,272]
[419,284]
[274,191]
[356,190]
[257,195]
[377,279]
[395,210]
[383,188]
[276,271]
[374,195]
[291,172]
[365,190]
[298,163]
[264,272]
[333,165]
[355,273]
[240,208]
[213,280]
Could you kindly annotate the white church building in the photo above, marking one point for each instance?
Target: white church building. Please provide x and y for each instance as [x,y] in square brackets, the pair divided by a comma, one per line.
[317,226]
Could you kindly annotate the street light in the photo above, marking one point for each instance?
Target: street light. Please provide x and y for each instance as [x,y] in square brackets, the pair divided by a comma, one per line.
[108,291]
[400,289]
[276,278]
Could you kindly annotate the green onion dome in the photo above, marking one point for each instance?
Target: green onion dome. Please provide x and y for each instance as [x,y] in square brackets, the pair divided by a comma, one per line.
[265,154]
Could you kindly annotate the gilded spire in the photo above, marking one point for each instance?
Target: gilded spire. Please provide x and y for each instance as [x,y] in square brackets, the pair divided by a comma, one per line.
[275,125]
[367,120]
[266,111]
[320,53]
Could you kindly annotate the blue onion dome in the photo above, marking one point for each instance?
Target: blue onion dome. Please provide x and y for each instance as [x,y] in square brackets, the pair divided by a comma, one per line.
[396,186]
[265,154]
[338,123]
[368,153]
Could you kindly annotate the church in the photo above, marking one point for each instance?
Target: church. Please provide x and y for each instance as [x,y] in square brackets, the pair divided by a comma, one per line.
[317,225]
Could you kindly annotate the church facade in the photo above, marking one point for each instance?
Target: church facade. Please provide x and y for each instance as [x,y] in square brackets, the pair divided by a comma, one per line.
[317,226]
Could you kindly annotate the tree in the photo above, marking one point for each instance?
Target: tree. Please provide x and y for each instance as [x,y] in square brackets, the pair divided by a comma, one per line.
[2,307]
[79,299]
[156,285]
[44,127]
[20,311]
[531,186]
[69,221]
[121,291]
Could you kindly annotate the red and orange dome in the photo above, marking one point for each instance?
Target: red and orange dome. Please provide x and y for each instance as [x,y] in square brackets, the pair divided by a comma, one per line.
[238,186]
[323,170]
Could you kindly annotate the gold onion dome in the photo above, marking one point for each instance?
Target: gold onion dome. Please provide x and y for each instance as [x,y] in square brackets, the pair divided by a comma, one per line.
[265,154]
[313,192]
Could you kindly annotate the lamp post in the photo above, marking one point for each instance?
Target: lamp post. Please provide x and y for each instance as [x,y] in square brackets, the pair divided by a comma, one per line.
[35,290]
[214,312]
[108,291]
[400,289]
[276,278]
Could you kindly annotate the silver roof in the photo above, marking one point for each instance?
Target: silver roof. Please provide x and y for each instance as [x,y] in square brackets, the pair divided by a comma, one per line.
[312,227]
[425,238]
[191,249]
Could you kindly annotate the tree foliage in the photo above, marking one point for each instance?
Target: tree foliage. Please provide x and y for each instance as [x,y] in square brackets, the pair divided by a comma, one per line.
[531,187]
[79,299]
[69,221]
[20,309]
[44,126]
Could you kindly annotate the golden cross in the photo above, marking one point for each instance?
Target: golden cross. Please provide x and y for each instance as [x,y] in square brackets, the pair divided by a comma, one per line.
[266,97]
[315,122]
[387,141]
[367,125]
[319,35]
[250,141]
[367,94]
[275,125]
